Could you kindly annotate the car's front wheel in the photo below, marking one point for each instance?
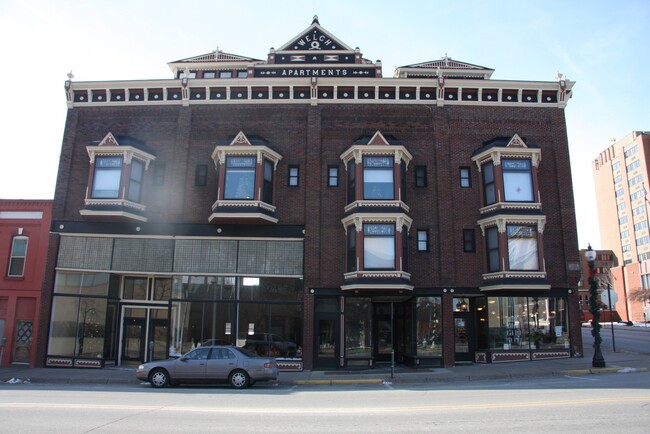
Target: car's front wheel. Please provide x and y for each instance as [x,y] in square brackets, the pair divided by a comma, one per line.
[239,379]
[159,378]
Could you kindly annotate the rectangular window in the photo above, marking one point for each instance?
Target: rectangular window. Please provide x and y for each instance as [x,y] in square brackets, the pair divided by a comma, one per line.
[517,180]
[209,74]
[420,176]
[379,246]
[465,177]
[522,247]
[240,178]
[18,256]
[492,246]
[159,174]
[352,181]
[616,165]
[106,180]
[469,241]
[225,74]
[423,241]
[135,181]
[201,175]
[242,74]
[294,171]
[489,188]
[378,178]
[332,176]
[267,193]
[352,249]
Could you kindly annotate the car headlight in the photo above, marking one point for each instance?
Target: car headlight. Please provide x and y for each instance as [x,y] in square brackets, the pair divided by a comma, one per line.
[141,368]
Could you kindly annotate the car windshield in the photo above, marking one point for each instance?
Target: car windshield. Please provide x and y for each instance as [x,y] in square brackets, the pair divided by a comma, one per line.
[246,352]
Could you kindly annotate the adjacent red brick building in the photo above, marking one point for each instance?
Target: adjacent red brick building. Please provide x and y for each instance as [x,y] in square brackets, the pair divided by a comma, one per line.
[24,235]
[307,207]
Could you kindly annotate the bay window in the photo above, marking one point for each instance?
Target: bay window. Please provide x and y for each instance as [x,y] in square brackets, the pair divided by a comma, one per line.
[378,178]
[106,179]
[517,180]
[116,178]
[245,181]
[379,246]
[240,178]
[522,247]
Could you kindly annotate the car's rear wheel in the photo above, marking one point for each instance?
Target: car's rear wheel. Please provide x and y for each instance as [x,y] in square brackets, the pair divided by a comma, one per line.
[239,379]
[159,378]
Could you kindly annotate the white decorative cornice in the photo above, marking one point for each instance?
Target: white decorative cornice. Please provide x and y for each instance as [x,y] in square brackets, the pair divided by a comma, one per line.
[109,146]
[361,204]
[259,152]
[358,219]
[516,148]
[501,221]
[357,152]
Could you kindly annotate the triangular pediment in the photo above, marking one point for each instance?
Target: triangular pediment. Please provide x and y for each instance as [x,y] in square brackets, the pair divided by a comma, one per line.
[516,142]
[240,139]
[446,67]
[315,38]
[217,56]
[378,140]
[109,140]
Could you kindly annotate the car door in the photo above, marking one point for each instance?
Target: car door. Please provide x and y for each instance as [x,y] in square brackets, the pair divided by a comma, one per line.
[222,361]
[192,366]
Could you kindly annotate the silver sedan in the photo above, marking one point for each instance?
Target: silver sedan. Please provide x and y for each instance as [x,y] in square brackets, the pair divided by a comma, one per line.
[210,364]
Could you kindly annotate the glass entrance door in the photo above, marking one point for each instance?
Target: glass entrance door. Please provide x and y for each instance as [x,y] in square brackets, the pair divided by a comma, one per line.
[383,332]
[133,340]
[158,335]
[463,337]
[327,330]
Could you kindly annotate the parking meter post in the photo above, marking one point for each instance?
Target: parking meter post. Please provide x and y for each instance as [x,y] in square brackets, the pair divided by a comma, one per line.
[392,363]
[151,345]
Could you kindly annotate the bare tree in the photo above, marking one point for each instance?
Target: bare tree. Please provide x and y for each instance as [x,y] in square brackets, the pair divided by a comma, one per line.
[639,294]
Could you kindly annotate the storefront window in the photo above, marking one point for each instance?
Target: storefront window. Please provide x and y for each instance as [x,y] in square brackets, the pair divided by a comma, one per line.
[358,327]
[429,327]
[81,283]
[527,323]
[194,323]
[261,314]
[78,327]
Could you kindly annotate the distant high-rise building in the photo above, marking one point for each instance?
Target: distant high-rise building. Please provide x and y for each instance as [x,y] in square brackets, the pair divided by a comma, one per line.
[621,180]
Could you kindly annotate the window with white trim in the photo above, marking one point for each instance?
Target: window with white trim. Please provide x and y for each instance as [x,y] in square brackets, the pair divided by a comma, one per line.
[18,256]
[522,247]
[240,177]
[378,246]
[107,176]
[378,178]
[517,180]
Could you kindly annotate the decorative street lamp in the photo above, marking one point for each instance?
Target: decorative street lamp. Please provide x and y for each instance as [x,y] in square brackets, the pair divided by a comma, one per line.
[598,360]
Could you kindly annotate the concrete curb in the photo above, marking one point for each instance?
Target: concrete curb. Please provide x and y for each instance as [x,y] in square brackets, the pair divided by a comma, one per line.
[333,382]
[596,371]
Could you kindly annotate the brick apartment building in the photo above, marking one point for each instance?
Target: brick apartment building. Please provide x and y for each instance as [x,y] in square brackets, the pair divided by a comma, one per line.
[622,182]
[24,235]
[306,206]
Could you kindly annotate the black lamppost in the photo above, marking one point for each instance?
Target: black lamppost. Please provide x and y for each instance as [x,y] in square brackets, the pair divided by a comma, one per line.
[598,361]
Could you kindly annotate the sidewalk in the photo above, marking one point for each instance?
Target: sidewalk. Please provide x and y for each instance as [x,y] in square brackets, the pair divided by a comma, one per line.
[616,362]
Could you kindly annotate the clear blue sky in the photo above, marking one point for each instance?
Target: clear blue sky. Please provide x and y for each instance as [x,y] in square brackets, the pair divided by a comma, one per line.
[602,45]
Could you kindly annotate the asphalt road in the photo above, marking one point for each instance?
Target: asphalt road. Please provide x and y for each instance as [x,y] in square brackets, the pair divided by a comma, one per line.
[626,338]
[553,404]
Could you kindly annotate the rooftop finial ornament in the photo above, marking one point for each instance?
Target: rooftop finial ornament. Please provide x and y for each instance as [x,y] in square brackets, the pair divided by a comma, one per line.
[70,75]
[315,21]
